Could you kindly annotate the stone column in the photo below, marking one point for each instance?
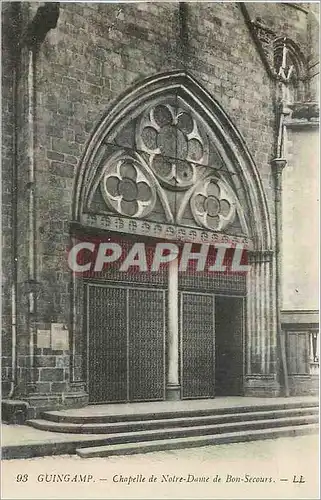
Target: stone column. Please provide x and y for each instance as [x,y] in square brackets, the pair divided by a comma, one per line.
[172,378]
[261,341]
[29,53]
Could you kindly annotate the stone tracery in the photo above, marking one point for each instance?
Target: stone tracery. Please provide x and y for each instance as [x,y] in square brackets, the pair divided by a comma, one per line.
[127,189]
[212,206]
[169,166]
[171,136]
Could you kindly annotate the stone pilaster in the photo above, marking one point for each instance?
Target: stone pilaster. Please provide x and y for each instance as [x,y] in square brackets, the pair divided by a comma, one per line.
[261,341]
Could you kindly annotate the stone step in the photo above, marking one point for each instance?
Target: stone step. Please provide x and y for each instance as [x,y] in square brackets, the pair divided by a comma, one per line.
[202,430]
[115,427]
[195,441]
[87,415]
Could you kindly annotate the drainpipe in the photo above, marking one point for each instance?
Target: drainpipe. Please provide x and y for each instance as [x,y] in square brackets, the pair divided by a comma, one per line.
[14,197]
[183,33]
[31,206]
[13,339]
[278,164]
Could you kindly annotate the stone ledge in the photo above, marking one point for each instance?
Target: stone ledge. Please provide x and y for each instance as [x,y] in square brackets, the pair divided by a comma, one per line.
[44,402]
[303,115]
[261,386]
[302,124]
[308,317]
[304,385]
[304,110]
[14,411]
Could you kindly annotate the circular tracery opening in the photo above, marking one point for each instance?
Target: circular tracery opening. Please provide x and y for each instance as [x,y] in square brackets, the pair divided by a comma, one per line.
[175,143]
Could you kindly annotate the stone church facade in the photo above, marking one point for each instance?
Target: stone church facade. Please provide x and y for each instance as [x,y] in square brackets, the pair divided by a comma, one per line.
[186,123]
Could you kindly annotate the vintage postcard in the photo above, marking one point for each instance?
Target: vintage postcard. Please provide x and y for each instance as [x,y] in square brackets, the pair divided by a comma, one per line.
[160,240]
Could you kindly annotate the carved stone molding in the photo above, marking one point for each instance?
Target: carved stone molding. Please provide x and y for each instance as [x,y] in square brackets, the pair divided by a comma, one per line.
[258,257]
[281,56]
[160,230]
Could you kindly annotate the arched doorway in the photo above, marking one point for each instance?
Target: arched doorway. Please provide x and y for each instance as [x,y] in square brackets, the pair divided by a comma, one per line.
[167,165]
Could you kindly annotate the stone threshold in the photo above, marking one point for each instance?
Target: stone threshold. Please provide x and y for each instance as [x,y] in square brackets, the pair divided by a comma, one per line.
[173,406]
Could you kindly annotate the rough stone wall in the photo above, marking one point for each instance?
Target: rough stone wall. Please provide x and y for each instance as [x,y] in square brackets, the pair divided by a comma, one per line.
[96,52]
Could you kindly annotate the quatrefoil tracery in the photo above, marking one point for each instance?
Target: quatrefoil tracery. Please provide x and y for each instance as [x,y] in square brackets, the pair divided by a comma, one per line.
[127,189]
[212,205]
[174,143]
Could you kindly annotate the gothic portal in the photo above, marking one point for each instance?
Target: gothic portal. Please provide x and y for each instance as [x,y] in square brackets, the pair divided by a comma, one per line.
[167,164]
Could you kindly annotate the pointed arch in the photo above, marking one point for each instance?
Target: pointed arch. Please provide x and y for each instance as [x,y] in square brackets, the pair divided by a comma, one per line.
[228,140]
[295,56]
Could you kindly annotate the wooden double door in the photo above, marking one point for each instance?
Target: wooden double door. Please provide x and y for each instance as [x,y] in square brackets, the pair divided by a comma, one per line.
[127,344]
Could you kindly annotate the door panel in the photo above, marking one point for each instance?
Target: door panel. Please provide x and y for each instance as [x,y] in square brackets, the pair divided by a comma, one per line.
[107,349]
[297,349]
[125,339]
[146,345]
[197,345]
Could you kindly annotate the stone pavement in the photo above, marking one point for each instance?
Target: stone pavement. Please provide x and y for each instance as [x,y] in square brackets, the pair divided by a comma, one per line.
[21,441]
[15,435]
[254,463]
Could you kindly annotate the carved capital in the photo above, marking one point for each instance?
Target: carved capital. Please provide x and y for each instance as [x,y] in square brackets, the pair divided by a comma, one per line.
[259,256]
[278,165]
